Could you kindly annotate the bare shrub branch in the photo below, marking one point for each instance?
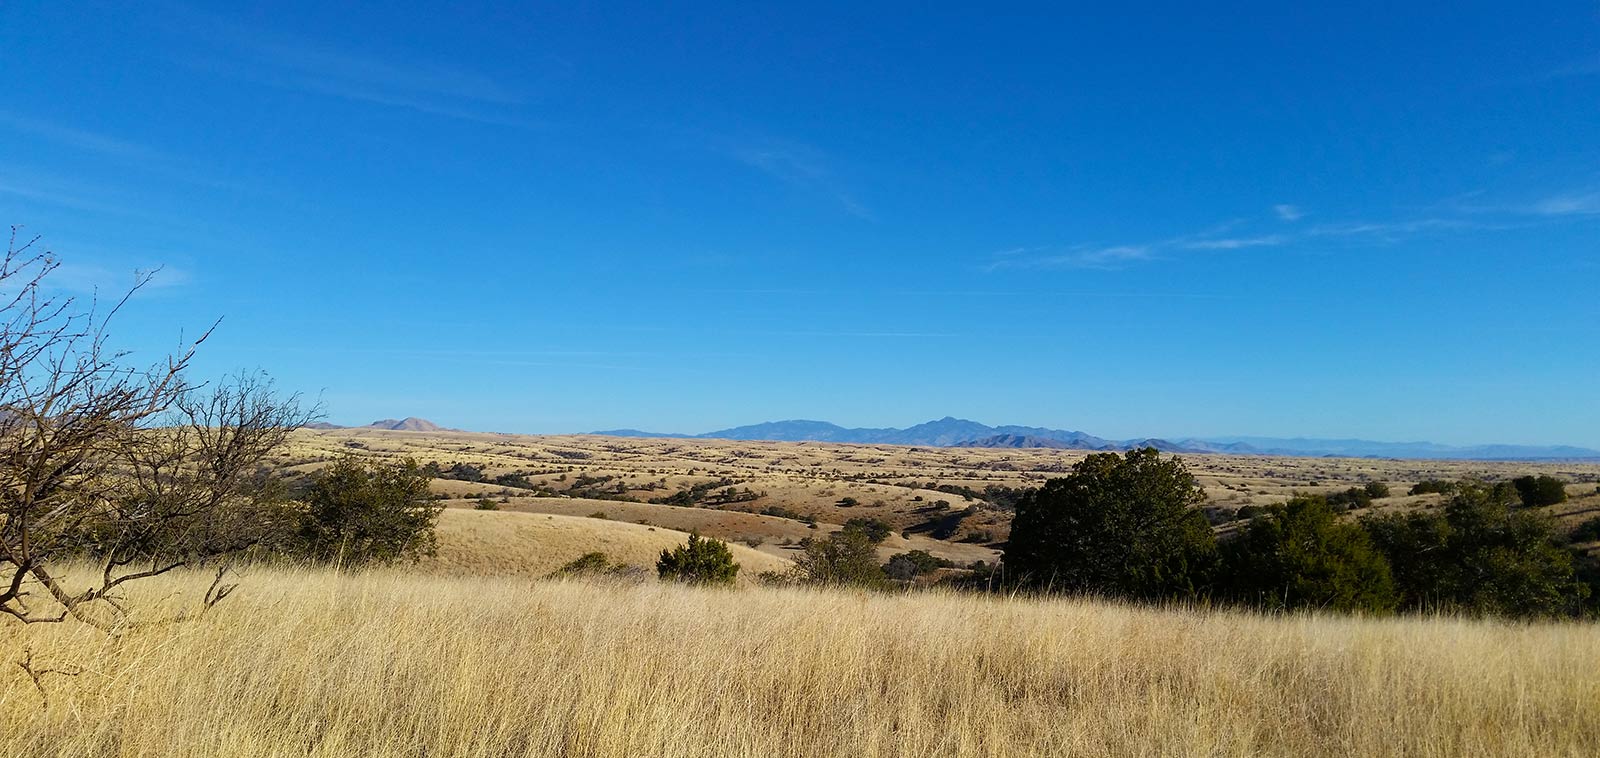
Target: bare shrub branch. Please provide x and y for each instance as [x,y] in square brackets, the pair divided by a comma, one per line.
[133,467]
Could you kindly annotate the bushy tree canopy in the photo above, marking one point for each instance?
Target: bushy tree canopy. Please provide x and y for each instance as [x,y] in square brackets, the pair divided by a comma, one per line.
[358,512]
[699,561]
[1541,490]
[1480,556]
[1117,525]
[877,530]
[1300,555]
[846,557]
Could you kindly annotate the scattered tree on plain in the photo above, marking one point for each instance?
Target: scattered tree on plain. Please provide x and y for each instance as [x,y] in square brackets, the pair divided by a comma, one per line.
[1433,486]
[1541,490]
[907,566]
[877,530]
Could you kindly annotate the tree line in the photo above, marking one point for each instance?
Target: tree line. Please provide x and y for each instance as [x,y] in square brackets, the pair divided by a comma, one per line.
[1127,526]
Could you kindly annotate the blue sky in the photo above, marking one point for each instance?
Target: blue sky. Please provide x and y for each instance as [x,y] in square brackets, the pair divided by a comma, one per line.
[1273,219]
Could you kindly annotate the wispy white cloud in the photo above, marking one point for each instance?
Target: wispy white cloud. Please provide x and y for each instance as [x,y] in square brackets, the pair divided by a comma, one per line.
[1224,237]
[1586,67]
[123,151]
[1110,256]
[1288,212]
[80,138]
[1114,256]
[1080,256]
[51,190]
[1395,229]
[1581,204]
[101,278]
[1235,243]
[364,77]
[285,61]
[801,166]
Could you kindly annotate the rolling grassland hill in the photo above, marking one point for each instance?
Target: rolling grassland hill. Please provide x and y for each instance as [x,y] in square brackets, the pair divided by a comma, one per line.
[763,494]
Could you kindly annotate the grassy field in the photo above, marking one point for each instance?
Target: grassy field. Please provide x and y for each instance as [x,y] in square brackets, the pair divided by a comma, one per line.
[397,663]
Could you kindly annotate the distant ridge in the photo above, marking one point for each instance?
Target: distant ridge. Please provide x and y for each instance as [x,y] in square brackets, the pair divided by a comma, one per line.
[407,424]
[1019,441]
[954,432]
[637,433]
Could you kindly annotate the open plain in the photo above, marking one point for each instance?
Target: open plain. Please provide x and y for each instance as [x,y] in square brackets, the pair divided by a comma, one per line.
[479,651]
[920,491]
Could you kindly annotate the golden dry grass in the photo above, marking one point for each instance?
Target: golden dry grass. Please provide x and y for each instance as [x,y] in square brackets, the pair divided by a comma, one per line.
[778,536]
[314,663]
[531,545]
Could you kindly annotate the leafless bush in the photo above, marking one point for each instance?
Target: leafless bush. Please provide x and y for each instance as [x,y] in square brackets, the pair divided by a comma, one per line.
[132,467]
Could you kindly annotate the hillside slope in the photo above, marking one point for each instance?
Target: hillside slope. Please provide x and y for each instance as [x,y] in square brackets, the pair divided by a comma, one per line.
[501,543]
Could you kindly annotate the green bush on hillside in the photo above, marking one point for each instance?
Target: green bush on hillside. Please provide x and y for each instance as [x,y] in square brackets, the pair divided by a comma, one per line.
[1351,499]
[699,561]
[597,565]
[907,566]
[355,512]
[1588,531]
[847,557]
[877,530]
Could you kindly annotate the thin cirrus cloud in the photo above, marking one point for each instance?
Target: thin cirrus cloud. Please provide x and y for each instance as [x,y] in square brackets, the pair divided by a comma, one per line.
[122,151]
[1586,67]
[83,278]
[287,62]
[1582,204]
[1235,243]
[82,139]
[1551,209]
[1077,256]
[49,189]
[800,166]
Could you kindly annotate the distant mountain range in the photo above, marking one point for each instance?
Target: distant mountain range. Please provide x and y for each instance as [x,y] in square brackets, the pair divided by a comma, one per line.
[955,432]
[407,424]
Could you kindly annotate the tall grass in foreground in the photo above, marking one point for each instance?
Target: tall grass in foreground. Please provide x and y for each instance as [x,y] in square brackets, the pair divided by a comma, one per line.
[312,663]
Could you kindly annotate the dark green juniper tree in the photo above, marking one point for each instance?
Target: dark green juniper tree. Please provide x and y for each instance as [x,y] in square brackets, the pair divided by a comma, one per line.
[355,512]
[699,561]
[1301,555]
[1481,556]
[1118,525]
